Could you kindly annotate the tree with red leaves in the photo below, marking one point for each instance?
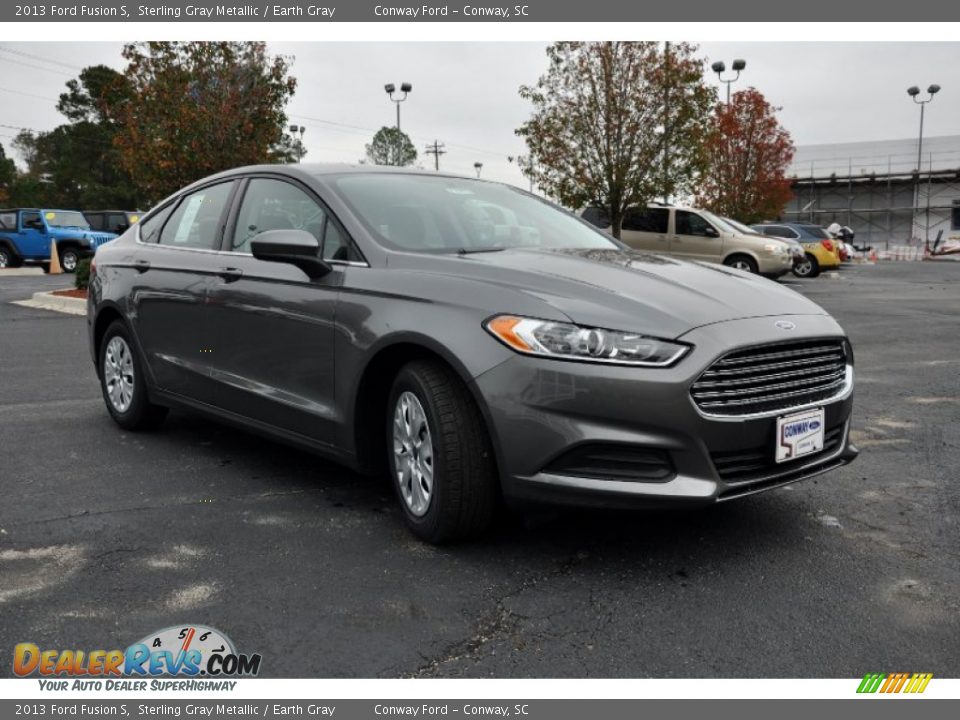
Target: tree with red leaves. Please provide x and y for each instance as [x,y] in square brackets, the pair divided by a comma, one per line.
[748,153]
[197,108]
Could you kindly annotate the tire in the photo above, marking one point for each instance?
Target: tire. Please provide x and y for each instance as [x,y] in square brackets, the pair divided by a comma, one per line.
[462,495]
[742,262]
[810,268]
[69,259]
[126,398]
[7,258]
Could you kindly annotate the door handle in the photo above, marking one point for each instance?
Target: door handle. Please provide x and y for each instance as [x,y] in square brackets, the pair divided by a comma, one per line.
[141,266]
[230,274]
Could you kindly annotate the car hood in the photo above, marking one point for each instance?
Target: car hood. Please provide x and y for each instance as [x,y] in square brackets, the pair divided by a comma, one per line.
[630,290]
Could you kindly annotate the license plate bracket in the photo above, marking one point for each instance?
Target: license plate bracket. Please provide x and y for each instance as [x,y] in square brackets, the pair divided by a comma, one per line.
[799,434]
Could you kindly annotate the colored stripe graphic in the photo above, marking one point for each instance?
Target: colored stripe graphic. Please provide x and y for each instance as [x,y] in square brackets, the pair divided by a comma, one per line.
[894,683]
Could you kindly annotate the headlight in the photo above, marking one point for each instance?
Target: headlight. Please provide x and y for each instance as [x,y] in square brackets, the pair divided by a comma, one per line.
[775,248]
[565,341]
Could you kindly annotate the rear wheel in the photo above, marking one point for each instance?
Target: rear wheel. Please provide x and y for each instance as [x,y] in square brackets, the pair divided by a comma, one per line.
[69,259]
[440,458]
[9,259]
[809,268]
[742,262]
[122,383]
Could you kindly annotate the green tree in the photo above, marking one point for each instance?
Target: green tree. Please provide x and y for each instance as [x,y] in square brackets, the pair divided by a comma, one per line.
[200,107]
[391,147]
[617,123]
[76,164]
[8,173]
[749,153]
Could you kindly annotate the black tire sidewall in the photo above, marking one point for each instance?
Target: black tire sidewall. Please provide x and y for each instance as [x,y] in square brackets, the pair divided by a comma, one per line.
[8,256]
[428,524]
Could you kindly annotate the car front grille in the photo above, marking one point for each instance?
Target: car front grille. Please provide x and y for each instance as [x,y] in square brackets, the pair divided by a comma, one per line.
[772,377]
[754,464]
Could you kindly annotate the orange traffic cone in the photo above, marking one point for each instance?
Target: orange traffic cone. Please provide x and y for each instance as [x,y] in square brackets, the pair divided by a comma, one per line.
[55,268]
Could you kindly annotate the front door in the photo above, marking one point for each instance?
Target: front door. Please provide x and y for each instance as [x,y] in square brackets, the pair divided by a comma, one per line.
[33,241]
[274,358]
[694,238]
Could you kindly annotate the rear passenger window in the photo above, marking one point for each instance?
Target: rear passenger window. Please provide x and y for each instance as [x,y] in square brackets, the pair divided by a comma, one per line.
[8,221]
[196,221]
[652,220]
[151,227]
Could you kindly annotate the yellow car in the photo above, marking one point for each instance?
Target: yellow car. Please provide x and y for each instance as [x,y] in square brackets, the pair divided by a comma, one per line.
[821,252]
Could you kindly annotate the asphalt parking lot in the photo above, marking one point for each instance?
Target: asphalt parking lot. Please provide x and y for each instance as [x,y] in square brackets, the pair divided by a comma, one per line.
[106,535]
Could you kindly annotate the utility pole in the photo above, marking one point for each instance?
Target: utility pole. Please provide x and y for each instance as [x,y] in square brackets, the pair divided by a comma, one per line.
[666,123]
[437,149]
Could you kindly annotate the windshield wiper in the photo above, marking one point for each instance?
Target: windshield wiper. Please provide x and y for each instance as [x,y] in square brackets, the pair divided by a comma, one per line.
[471,251]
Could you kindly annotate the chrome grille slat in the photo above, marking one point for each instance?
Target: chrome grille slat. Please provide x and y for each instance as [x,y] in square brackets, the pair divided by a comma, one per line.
[772,377]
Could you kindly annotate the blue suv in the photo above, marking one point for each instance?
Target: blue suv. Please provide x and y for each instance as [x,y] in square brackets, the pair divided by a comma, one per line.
[25,236]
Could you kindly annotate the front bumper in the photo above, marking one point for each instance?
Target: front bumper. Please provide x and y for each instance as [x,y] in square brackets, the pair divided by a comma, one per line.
[541,410]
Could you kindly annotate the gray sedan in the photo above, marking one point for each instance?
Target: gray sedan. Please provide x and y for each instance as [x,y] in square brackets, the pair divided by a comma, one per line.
[469,339]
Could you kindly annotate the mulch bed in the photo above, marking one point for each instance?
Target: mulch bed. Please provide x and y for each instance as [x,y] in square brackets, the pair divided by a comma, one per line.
[74,293]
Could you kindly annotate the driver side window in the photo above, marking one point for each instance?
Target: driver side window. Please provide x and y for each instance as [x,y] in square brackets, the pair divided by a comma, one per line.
[689,223]
[275,205]
[32,221]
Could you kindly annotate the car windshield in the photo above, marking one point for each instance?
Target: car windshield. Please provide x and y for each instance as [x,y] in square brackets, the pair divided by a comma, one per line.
[63,219]
[740,227]
[816,231]
[720,222]
[433,214]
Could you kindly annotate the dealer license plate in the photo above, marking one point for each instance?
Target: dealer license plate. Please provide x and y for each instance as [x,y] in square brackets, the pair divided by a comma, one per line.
[799,434]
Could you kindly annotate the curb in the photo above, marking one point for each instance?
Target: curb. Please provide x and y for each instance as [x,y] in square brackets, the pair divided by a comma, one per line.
[57,303]
[21,272]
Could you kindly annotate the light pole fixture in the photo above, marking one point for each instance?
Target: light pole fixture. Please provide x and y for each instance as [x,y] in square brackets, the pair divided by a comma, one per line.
[405,88]
[294,129]
[914,92]
[478,166]
[719,67]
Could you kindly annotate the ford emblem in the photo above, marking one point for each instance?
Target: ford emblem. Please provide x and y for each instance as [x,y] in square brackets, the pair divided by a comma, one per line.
[785,325]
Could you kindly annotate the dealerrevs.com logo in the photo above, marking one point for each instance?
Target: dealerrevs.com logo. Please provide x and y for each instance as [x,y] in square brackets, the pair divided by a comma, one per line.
[189,651]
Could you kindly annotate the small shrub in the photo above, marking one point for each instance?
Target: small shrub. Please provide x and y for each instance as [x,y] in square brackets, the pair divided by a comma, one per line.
[81,277]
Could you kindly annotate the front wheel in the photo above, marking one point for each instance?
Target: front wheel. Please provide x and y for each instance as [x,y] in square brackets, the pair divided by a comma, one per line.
[122,383]
[809,268]
[440,459]
[742,262]
[69,259]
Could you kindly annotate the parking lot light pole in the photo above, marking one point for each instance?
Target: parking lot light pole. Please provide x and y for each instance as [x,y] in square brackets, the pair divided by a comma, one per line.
[405,88]
[914,92]
[294,129]
[719,67]
[478,166]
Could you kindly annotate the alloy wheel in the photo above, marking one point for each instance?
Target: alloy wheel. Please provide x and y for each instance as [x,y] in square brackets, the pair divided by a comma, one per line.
[413,453]
[69,261]
[4,259]
[118,374]
[803,269]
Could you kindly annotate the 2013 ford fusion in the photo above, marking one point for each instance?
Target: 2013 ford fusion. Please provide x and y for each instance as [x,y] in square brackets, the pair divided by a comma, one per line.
[473,340]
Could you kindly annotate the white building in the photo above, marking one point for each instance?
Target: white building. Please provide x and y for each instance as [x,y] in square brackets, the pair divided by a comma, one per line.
[875,188]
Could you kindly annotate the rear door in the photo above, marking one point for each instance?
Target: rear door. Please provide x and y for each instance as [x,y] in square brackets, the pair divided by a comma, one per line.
[275,332]
[646,229]
[695,238]
[175,265]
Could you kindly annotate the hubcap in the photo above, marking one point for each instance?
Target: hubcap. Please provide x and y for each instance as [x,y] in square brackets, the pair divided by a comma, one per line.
[118,373]
[69,262]
[741,265]
[804,268]
[3,259]
[413,454]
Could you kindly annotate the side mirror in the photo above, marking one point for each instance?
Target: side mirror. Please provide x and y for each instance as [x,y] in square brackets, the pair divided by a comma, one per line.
[296,247]
[711,231]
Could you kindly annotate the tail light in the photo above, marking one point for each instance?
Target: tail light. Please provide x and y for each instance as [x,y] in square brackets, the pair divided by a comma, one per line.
[827,244]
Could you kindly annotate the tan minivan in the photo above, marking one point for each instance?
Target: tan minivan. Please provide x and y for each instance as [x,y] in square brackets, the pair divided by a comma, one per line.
[693,234]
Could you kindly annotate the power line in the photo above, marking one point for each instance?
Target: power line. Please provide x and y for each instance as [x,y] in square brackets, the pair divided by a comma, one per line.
[40,58]
[26,94]
[37,67]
